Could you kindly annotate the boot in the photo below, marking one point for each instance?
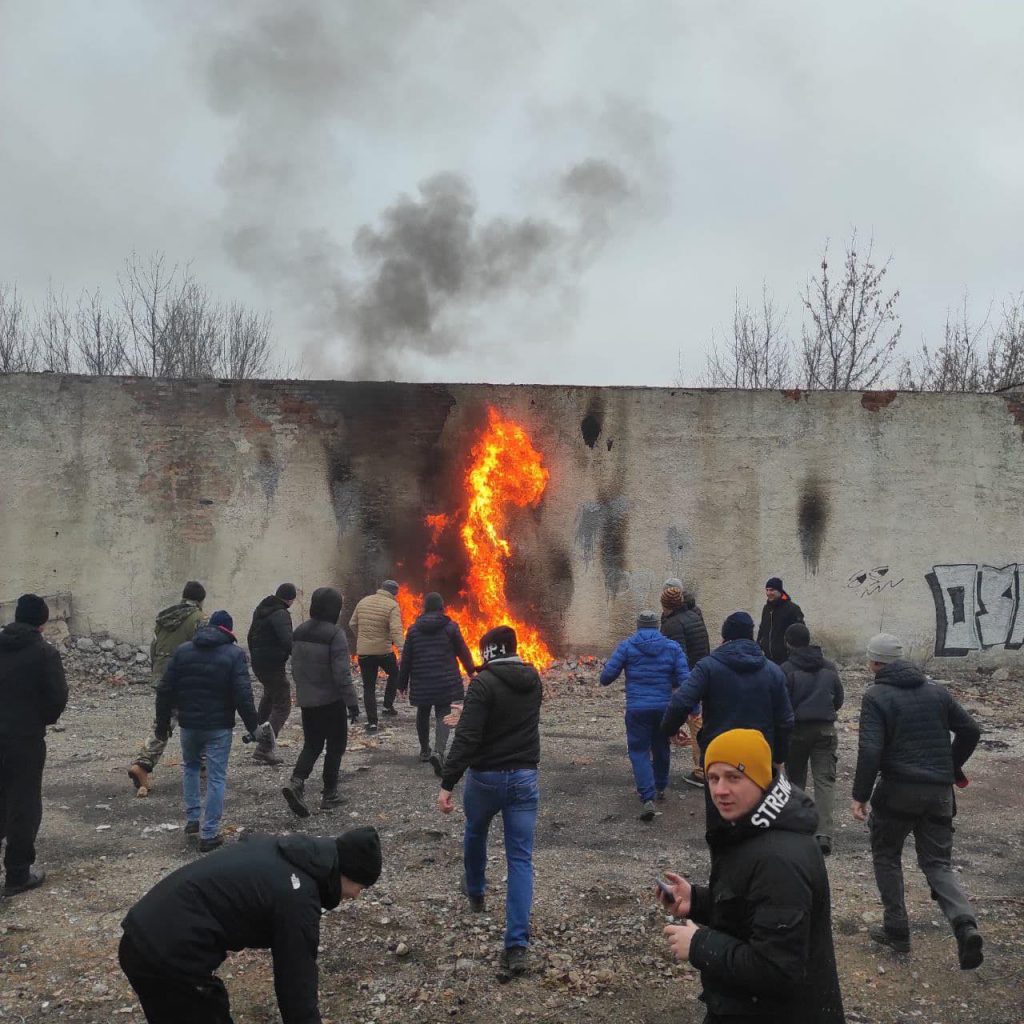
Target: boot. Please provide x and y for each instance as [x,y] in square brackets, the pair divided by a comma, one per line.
[36,877]
[141,778]
[293,794]
[898,943]
[331,798]
[267,755]
[968,943]
[437,763]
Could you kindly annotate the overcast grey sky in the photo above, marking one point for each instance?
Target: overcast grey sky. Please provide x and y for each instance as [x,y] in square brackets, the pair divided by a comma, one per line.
[612,172]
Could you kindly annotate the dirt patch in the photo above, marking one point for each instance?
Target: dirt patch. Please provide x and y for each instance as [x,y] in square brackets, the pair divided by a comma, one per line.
[409,951]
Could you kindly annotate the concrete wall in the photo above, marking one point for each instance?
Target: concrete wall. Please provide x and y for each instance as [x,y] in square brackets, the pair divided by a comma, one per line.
[880,510]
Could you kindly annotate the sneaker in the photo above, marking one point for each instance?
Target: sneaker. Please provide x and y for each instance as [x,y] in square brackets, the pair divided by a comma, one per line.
[390,712]
[330,799]
[897,943]
[371,727]
[36,877]
[437,763]
[141,779]
[206,845]
[695,779]
[425,755]
[191,828]
[968,945]
[293,795]
[648,812]
[263,756]
[476,903]
[516,961]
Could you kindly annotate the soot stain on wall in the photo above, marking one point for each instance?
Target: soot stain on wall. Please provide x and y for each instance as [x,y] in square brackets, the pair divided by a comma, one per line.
[593,421]
[812,522]
[601,530]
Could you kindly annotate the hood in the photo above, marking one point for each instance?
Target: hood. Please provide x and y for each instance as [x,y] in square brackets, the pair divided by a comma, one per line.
[649,642]
[784,808]
[17,635]
[432,622]
[268,606]
[318,858]
[808,659]
[901,674]
[740,655]
[212,636]
[172,618]
[326,604]
[515,673]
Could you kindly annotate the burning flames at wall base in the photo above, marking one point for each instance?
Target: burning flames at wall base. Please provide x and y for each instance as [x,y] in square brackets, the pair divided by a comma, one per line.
[506,472]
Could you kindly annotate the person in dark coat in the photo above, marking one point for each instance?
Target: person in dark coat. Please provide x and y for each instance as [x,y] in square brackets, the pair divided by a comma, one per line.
[497,747]
[816,693]
[760,932]
[905,723]
[270,647]
[654,667]
[683,621]
[206,682]
[322,670]
[33,695]
[433,650]
[738,688]
[265,892]
[778,614]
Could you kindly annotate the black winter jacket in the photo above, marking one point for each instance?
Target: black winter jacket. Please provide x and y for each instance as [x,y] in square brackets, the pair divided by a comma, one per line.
[434,646]
[776,618]
[686,626]
[815,689]
[500,724]
[207,681]
[270,635]
[33,690]
[261,893]
[321,666]
[905,722]
[764,950]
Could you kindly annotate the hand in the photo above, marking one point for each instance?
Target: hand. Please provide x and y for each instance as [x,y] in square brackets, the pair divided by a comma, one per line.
[679,937]
[683,892]
[452,720]
[859,810]
[163,735]
[681,739]
[445,804]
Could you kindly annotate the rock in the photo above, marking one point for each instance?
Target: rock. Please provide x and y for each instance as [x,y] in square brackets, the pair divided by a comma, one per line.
[107,645]
[124,652]
[85,643]
[402,949]
[1001,675]
[141,658]
[464,966]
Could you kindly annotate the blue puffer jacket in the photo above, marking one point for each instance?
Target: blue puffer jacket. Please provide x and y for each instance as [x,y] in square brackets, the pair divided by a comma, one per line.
[434,646]
[654,666]
[739,689]
[206,681]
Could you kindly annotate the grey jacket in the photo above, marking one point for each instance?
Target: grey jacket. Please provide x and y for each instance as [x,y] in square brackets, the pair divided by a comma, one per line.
[320,658]
[815,689]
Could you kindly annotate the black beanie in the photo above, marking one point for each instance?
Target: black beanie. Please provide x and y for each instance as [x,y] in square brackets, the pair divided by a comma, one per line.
[738,626]
[499,642]
[433,603]
[194,591]
[359,856]
[798,635]
[32,610]
[775,583]
[286,592]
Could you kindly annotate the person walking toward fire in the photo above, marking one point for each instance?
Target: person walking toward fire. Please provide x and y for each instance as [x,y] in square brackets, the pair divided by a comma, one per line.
[270,647]
[377,625]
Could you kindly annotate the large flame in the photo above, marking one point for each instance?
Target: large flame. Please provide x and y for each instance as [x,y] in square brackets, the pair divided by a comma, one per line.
[506,472]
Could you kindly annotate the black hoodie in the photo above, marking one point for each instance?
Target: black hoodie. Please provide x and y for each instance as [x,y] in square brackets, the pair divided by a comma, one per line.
[500,725]
[433,648]
[33,690]
[776,617]
[270,635]
[262,893]
[321,665]
[905,722]
[815,690]
[764,950]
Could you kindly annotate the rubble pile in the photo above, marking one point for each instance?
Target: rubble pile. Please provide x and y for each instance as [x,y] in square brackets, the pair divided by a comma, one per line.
[103,659]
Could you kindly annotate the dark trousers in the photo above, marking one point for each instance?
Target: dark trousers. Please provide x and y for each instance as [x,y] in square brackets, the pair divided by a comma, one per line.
[276,702]
[167,1000]
[926,812]
[815,743]
[21,803]
[322,726]
[369,666]
[441,730]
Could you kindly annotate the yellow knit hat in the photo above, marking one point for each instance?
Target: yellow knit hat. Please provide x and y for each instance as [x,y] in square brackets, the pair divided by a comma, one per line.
[746,750]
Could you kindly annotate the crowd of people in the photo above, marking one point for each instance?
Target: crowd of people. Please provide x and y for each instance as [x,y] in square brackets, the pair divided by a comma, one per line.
[757,715]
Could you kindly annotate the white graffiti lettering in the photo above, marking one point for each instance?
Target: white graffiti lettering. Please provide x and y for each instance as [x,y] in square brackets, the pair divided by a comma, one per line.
[976,607]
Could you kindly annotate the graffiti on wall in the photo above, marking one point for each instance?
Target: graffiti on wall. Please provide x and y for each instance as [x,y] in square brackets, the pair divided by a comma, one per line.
[976,607]
[873,581]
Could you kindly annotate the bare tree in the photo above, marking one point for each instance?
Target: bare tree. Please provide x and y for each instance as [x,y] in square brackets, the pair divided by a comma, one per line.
[100,337]
[53,333]
[1005,360]
[16,349]
[145,286]
[958,364]
[246,344]
[758,353]
[854,328]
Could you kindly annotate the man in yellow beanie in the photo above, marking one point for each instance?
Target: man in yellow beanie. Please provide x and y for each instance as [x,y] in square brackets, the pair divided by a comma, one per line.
[761,932]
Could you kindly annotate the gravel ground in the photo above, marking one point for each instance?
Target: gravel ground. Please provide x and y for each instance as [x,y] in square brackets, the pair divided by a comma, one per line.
[408,950]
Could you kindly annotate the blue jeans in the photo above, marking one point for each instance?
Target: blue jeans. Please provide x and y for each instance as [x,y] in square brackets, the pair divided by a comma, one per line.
[649,751]
[515,795]
[215,744]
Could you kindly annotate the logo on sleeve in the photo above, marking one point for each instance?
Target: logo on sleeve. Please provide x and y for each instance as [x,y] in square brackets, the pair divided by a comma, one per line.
[295,882]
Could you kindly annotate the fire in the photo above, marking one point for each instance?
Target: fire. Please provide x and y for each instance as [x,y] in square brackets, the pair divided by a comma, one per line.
[506,472]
